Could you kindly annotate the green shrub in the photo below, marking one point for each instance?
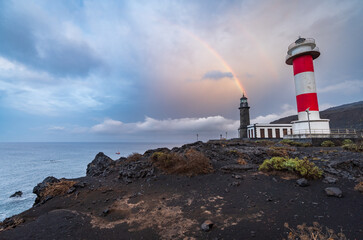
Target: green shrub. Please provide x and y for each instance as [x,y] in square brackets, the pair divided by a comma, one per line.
[353,147]
[295,144]
[347,141]
[327,143]
[302,167]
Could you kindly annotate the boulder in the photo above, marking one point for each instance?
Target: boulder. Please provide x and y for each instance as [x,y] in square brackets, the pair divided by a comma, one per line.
[302,182]
[135,170]
[17,194]
[207,225]
[100,165]
[334,192]
[41,186]
[330,180]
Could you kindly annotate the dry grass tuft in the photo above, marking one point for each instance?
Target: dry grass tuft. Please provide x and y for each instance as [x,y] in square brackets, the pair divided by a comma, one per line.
[10,223]
[279,151]
[59,188]
[134,157]
[265,142]
[241,161]
[190,164]
[315,232]
[359,187]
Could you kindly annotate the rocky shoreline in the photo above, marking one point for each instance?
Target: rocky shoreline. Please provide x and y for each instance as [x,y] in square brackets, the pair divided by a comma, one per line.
[211,190]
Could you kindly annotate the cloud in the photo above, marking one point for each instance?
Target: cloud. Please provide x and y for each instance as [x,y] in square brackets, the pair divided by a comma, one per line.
[36,38]
[346,87]
[41,93]
[56,128]
[216,75]
[209,126]
[287,110]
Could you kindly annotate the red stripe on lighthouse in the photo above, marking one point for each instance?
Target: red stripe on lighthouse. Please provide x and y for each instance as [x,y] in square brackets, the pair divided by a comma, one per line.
[307,100]
[303,64]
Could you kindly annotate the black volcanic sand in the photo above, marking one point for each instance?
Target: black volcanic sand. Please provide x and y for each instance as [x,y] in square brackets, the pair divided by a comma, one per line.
[255,206]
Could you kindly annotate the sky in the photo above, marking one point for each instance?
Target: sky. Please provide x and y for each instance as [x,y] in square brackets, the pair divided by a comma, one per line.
[165,71]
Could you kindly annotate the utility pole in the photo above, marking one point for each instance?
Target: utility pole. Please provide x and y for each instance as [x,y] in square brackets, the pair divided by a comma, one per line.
[308,113]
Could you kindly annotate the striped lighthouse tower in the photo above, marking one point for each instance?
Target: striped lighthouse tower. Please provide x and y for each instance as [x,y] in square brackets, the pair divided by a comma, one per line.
[301,54]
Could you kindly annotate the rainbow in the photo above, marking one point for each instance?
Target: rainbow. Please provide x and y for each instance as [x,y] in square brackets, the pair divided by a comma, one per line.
[219,57]
[268,63]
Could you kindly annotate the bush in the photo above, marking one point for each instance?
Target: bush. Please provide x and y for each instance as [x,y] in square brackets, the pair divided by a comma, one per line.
[302,167]
[327,143]
[278,151]
[347,141]
[353,147]
[134,157]
[295,144]
[191,164]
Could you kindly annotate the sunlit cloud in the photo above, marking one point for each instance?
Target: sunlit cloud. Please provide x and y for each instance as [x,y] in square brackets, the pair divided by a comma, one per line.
[216,75]
[180,126]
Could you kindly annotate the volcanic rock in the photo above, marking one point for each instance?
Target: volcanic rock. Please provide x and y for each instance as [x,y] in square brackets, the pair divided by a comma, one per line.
[237,167]
[41,186]
[302,182]
[330,180]
[100,165]
[334,191]
[207,225]
[17,194]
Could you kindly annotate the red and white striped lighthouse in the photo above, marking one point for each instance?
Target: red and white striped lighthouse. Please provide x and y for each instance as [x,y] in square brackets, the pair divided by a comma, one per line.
[301,54]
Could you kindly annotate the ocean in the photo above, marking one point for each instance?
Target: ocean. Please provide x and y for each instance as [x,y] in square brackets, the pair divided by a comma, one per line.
[24,165]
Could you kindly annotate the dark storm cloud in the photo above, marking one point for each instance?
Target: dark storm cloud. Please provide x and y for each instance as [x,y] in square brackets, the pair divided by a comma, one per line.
[29,39]
[216,75]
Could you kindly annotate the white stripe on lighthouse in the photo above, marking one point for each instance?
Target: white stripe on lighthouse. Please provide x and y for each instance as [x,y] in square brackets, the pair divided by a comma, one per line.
[305,83]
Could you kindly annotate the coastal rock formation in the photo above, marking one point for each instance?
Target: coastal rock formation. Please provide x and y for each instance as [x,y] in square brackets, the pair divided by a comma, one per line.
[41,186]
[138,169]
[136,197]
[17,194]
[100,165]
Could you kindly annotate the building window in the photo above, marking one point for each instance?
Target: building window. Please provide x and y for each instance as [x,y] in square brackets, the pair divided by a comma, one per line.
[277,132]
[262,133]
[269,132]
[284,131]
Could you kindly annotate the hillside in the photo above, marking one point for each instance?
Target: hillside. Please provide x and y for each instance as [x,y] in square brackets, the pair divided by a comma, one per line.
[344,116]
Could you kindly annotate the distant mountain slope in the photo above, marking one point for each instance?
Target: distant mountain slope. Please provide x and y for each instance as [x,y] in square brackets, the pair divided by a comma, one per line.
[344,116]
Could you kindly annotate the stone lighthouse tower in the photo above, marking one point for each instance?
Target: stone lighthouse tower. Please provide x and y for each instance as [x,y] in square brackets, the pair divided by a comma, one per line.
[244,114]
[301,54]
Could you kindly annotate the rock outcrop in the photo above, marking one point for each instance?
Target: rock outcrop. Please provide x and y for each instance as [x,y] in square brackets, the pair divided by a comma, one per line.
[100,165]
[38,189]
[17,194]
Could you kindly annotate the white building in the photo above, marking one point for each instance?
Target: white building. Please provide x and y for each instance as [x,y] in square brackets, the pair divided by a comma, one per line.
[266,130]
